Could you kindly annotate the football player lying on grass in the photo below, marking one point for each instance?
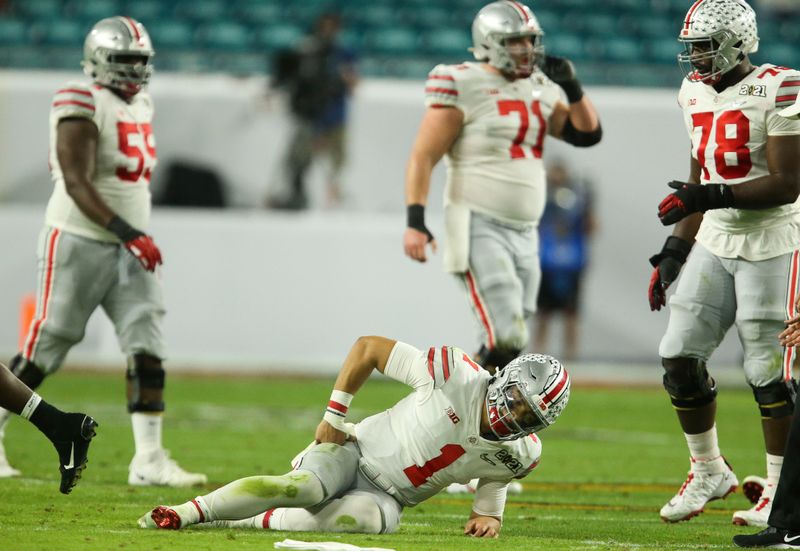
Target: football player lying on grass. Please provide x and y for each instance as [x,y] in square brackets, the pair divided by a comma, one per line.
[460,423]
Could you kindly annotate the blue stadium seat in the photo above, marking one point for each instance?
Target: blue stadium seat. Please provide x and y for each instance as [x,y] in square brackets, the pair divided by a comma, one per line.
[167,33]
[426,17]
[23,57]
[259,13]
[13,31]
[205,10]
[276,37]
[413,68]
[146,11]
[223,36]
[787,55]
[657,27]
[550,21]
[351,38]
[400,41]
[40,9]
[448,42]
[564,44]
[623,49]
[65,32]
[95,10]
[663,50]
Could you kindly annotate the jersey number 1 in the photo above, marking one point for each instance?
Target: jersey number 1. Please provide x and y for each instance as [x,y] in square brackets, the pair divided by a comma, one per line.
[419,475]
[508,106]
[736,143]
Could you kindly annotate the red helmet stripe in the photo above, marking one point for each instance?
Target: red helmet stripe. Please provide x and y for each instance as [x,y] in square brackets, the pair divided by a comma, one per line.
[520,9]
[135,31]
[689,14]
[431,352]
[561,382]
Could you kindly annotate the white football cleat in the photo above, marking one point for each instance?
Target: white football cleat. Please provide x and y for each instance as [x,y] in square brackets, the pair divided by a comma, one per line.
[6,470]
[705,483]
[752,487]
[758,514]
[157,469]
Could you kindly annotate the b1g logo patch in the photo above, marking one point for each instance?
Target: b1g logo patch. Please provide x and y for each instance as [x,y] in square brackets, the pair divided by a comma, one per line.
[758,90]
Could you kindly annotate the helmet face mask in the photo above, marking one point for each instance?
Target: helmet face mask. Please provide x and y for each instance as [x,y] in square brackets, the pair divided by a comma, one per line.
[507,36]
[117,53]
[526,396]
[717,36]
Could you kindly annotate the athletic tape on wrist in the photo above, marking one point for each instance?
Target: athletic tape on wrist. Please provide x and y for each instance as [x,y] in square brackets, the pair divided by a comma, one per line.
[339,403]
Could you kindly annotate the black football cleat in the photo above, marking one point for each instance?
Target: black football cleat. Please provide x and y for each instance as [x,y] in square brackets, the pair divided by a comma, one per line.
[73,453]
[770,538]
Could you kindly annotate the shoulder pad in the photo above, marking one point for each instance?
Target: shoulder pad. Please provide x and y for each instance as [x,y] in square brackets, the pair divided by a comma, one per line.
[445,361]
[440,87]
[74,100]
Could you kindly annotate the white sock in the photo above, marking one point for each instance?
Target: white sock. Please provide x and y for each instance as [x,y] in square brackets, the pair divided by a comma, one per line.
[146,432]
[30,407]
[774,465]
[705,447]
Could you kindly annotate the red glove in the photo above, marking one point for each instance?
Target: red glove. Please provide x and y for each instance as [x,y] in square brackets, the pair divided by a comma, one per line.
[138,243]
[667,266]
[145,251]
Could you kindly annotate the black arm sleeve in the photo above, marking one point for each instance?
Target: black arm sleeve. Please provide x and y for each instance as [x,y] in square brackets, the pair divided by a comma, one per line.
[578,138]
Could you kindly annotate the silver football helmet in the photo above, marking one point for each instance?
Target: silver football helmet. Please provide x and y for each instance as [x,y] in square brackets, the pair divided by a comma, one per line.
[717,35]
[500,21]
[526,396]
[117,53]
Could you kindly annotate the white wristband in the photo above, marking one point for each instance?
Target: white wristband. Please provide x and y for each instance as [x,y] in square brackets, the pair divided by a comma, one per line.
[339,403]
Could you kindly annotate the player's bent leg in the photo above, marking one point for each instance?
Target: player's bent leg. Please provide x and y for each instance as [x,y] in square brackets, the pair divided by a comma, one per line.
[32,376]
[151,464]
[693,395]
[356,512]
[241,499]
[776,403]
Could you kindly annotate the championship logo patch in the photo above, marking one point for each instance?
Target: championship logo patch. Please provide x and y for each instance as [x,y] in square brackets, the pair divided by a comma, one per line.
[758,90]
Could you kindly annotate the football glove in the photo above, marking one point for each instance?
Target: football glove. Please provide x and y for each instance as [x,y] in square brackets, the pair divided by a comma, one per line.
[416,219]
[667,266]
[137,243]
[691,198]
[561,71]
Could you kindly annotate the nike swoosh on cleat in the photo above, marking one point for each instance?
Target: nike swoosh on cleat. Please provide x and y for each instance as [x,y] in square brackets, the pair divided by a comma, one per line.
[787,539]
[71,463]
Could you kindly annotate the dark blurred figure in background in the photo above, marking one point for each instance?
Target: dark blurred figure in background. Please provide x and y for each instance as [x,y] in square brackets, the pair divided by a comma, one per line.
[318,75]
[567,223]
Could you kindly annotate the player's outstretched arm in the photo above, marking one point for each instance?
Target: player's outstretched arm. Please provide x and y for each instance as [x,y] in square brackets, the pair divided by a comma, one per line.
[439,129]
[481,526]
[365,356]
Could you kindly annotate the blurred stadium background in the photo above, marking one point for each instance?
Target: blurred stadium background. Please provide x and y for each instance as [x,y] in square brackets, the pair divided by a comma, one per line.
[616,42]
[249,288]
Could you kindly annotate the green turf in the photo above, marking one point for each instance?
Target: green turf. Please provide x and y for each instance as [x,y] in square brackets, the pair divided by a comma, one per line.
[608,465]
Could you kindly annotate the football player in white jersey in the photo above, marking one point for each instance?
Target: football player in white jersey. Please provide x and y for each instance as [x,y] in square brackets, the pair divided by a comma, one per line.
[459,423]
[93,249]
[739,217]
[489,119]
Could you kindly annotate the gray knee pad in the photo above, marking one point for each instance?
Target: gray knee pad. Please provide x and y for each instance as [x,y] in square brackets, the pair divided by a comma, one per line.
[27,371]
[688,383]
[776,399]
[145,372]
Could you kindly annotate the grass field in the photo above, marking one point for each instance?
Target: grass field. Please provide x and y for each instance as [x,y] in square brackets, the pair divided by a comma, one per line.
[612,460]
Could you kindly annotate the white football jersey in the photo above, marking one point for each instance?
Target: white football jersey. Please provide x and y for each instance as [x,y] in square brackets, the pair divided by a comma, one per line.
[495,165]
[126,155]
[729,137]
[431,438]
